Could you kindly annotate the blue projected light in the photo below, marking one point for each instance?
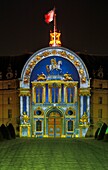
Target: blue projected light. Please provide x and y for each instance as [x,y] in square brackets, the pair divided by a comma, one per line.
[24,103]
[85,103]
[65,66]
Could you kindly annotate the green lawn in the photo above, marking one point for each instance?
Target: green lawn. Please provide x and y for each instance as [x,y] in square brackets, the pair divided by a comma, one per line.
[53,154]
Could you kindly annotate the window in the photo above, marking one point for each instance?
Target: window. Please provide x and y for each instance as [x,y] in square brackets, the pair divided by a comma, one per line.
[100,100]
[38,125]
[70,94]
[9,100]
[100,113]
[39,96]
[9,85]
[9,113]
[0,75]
[70,125]
[55,94]
[100,85]
[70,112]
[38,112]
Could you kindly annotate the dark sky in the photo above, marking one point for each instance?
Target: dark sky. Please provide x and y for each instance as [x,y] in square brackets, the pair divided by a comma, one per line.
[83,24]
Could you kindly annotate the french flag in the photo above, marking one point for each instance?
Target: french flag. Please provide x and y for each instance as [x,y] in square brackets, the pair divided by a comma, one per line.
[49,16]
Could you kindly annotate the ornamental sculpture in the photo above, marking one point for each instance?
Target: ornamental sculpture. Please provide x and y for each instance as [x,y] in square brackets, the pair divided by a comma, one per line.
[41,77]
[84,118]
[67,77]
[25,118]
[54,65]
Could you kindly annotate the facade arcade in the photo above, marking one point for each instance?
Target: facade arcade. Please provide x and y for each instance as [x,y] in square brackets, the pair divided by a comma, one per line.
[54,95]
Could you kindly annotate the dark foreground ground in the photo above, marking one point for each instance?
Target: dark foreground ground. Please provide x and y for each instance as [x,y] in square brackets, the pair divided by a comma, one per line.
[53,154]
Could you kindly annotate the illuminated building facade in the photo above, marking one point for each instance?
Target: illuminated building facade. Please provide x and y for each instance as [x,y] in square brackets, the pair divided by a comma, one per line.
[54,94]
[99,103]
[9,103]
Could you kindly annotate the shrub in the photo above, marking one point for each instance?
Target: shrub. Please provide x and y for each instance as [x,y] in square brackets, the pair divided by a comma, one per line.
[101,132]
[5,132]
[11,130]
[1,136]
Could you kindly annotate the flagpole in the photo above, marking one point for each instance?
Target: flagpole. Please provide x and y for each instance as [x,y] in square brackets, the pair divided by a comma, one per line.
[55,35]
[54,27]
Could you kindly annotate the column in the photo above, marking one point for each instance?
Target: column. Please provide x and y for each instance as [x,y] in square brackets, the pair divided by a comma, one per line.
[59,94]
[54,95]
[21,105]
[88,108]
[34,94]
[45,126]
[65,93]
[81,106]
[49,94]
[28,105]
[75,94]
[63,123]
[43,94]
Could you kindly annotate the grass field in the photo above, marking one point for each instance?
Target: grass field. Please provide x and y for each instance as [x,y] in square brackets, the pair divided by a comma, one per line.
[53,154]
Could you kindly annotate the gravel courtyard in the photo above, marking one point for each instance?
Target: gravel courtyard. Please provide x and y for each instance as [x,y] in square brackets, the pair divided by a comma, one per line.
[53,154]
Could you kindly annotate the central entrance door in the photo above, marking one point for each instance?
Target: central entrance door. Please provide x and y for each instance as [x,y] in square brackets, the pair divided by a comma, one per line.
[54,125]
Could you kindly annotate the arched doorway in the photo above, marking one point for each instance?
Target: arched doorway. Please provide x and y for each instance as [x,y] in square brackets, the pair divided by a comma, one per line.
[54,124]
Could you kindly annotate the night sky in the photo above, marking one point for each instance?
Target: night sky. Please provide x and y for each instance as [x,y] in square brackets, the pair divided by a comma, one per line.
[83,25]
